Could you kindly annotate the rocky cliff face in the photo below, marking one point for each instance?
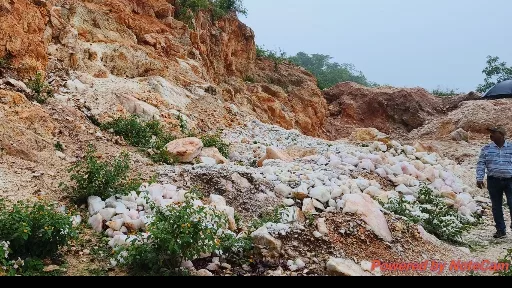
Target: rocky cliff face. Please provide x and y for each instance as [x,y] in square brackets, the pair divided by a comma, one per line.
[395,111]
[472,116]
[133,56]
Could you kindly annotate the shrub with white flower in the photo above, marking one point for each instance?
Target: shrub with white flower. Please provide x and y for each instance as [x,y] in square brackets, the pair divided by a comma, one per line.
[178,232]
[433,214]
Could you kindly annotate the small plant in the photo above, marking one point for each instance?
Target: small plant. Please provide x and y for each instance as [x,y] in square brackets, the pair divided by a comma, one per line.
[310,218]
[6,61]
[178,232]
[35,230]
[183,124]
[93,177]
[506,260]
[58,146]
[276,57]
[217,142]
[273,216]
[187,9]
[40,89]
[249,79]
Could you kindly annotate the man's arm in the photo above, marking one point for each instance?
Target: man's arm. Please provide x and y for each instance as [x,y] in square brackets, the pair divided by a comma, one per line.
[480,169]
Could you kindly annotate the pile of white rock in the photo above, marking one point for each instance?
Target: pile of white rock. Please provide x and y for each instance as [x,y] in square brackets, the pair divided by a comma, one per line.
[323,182]
[119,217]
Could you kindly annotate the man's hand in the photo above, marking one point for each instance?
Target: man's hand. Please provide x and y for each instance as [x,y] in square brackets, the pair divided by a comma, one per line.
[480,184]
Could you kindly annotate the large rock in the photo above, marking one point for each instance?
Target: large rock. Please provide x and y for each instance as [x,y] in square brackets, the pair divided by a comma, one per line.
[344,267]
[140,108]
[363,205]
[263,238]
[460,135]
[214,153]
[273,153]
[368,134]
[186,149]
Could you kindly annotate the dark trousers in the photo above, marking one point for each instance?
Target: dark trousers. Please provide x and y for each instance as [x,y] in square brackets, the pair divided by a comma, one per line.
[496,188]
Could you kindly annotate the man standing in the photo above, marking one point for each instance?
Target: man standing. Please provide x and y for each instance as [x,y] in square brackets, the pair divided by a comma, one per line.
[496,158]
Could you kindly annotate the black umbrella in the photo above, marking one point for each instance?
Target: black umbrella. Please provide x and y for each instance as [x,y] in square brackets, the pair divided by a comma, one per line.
[500,90]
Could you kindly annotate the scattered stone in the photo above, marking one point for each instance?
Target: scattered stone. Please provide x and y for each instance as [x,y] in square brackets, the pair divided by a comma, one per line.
[203,272]
[345,267]
[321,226]
[283,190]
[263,238]
[460,135]
[60,155]
[213,267]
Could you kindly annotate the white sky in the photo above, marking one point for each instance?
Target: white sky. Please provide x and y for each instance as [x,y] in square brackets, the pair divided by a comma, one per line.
[409,43]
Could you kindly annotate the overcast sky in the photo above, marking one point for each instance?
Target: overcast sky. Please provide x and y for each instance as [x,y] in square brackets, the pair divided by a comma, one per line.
[408,43]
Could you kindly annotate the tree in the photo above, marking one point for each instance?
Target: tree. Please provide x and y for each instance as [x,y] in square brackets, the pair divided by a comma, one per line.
[329,73]
[495,72]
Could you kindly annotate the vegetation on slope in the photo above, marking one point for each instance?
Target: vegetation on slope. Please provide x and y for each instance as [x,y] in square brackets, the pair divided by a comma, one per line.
[326,72]
[187,9]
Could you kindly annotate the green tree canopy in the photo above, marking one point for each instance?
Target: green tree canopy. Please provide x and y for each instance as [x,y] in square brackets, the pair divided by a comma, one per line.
[329,73]
[495,72]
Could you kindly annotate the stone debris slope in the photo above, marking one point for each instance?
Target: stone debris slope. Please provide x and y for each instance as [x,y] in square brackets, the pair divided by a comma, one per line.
[341,187]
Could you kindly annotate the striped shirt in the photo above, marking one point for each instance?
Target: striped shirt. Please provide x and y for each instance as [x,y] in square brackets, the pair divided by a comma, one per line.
[497,162]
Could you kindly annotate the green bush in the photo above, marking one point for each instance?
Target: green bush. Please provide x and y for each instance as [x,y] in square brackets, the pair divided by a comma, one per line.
[506,260]
[217,142]
[433,214]
[104,179]
[276,57]
[329,73]
[444,93]
[148,135]
[34,230]
[179,233]
[187,9]
[222,7]
[137,132]
[40,89]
